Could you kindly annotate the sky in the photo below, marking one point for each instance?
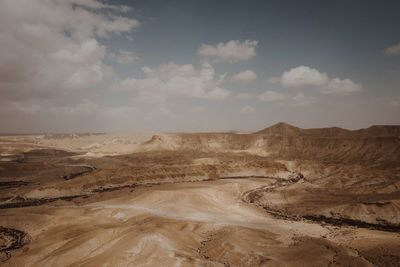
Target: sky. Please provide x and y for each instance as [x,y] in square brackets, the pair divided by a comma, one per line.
[184,66]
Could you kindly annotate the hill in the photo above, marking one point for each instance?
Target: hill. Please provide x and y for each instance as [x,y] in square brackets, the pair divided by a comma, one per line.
[285,129]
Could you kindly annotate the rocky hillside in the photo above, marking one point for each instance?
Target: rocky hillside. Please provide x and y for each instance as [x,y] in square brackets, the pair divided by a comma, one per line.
[377,145]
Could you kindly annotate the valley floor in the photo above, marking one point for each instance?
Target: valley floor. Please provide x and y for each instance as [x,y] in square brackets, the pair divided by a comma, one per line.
[184,224]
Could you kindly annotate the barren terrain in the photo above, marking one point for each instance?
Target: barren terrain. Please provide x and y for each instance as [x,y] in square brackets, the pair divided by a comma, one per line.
[283,196]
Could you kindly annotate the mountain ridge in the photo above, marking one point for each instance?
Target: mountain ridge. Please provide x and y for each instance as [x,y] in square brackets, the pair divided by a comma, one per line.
[285,129]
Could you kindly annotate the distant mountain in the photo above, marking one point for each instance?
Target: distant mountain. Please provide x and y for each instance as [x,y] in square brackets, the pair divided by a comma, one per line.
[381,131]
[281,128]
[285,129]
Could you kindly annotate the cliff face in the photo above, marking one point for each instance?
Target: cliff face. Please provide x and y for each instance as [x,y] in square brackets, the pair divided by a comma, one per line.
[377,145]
[349,174]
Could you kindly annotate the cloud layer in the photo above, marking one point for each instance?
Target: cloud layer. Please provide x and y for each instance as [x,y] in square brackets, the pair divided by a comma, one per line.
[244,76]
[176,80]
[231,51]
[71,65]
[247,110]
[50,47]
[123,57]
[271,96]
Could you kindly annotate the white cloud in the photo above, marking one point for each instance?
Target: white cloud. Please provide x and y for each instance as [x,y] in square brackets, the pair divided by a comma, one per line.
[85,77]
[123,57]
[94,4]
[176,80]
[49,47]
[303,76]
[271,96]
[217,93]
[231,51]
[166,71]
[301,100]
[244,76]
[343,87]
[247,110]
[393,50]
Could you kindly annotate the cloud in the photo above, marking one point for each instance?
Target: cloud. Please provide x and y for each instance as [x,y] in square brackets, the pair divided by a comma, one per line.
[274,80]
[198,109]
[166,71]
[50,47]
[245,96]
[247,110]
[301,100]
[343,87]
[271,96]
[94,4]
[393,50]
[175,80]
[297,100]
[244,76]
[123,57]
[303,76]
[395,103]
[231,51]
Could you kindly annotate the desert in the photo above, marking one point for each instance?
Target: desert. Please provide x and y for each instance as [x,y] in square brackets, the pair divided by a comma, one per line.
[282,196]
[171,133]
